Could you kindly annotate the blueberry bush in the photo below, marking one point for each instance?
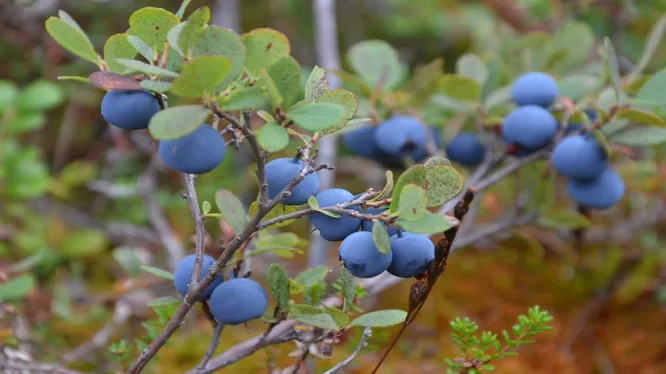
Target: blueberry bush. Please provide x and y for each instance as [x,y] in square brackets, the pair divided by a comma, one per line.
[539,122]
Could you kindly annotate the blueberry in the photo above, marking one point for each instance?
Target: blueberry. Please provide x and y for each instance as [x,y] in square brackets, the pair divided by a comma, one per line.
[361,141]
[182,275]
[579,157]
[361,257]
[535,88]
[530,127]
[466,149]
[602,192]
[281,171]
[403,136]
[412,254]
[237,301]
[334,229]
[198,152]
[129,109]
[367,225]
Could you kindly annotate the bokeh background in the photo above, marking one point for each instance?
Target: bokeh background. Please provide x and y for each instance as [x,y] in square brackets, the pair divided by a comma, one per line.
[76,203]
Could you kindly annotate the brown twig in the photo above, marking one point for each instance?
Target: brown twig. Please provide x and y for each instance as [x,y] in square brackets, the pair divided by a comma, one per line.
[419,295]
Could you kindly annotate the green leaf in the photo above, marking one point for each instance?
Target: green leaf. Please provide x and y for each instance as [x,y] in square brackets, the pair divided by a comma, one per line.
[341,318]
[313,203]
[443,184]
[284,244]
[254,97]
[201,76]
[273,137]
[610,59]
[322,321]
[313,276]
[344,98]
[388,187]
[431,223]
[414,175]
[423,82]
[205,207]
[601,139]
[16,288]
[640,116]
[460,88]
[70,21]
[127,258]
[267,83]
[380,318]
[437,160]
[654,90]
[642,137]
[40,96]
[217,41]
[316,116]
[142,47]
[142,67]
[381,237]
[564,219]
[72,39]
[73,78]
[156,86]
[172,38]
[165,300]
[278,281]
[413,203]
[348,288]
[577,86]
[653,41]
[286,75]
[277,211]
[304,310]
[500,96]
[152,25]
[192,30]
[83,243]
[178,121]
[376,63]
[118,46]
[577,39]
[8,94]
[264,47]
[232,210]
[78,173]
[472,66]
[316,85]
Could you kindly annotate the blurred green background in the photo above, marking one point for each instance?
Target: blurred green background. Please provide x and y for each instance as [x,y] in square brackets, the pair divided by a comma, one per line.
[73,218]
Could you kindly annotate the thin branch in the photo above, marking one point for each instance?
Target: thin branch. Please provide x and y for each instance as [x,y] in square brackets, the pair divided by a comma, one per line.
[9,366]
[193,202]
[362,344]
[215,341]
[340,209]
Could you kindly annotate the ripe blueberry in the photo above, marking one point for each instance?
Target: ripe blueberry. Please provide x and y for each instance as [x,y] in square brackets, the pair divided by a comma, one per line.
[535,88]
[361,257]
[529,127]
[466,149]
[129,109]
[182,275]
[579,157]
[412,254]
[198,152]
[334,229]
[281,171]
[237,301]
[602,192]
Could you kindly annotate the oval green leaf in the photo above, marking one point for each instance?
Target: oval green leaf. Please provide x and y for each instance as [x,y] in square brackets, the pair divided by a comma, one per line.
[232,210]
[264,47]
[273,137]
[381,237]
[316,116]
[71,39]
[380,318]
[177,121]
